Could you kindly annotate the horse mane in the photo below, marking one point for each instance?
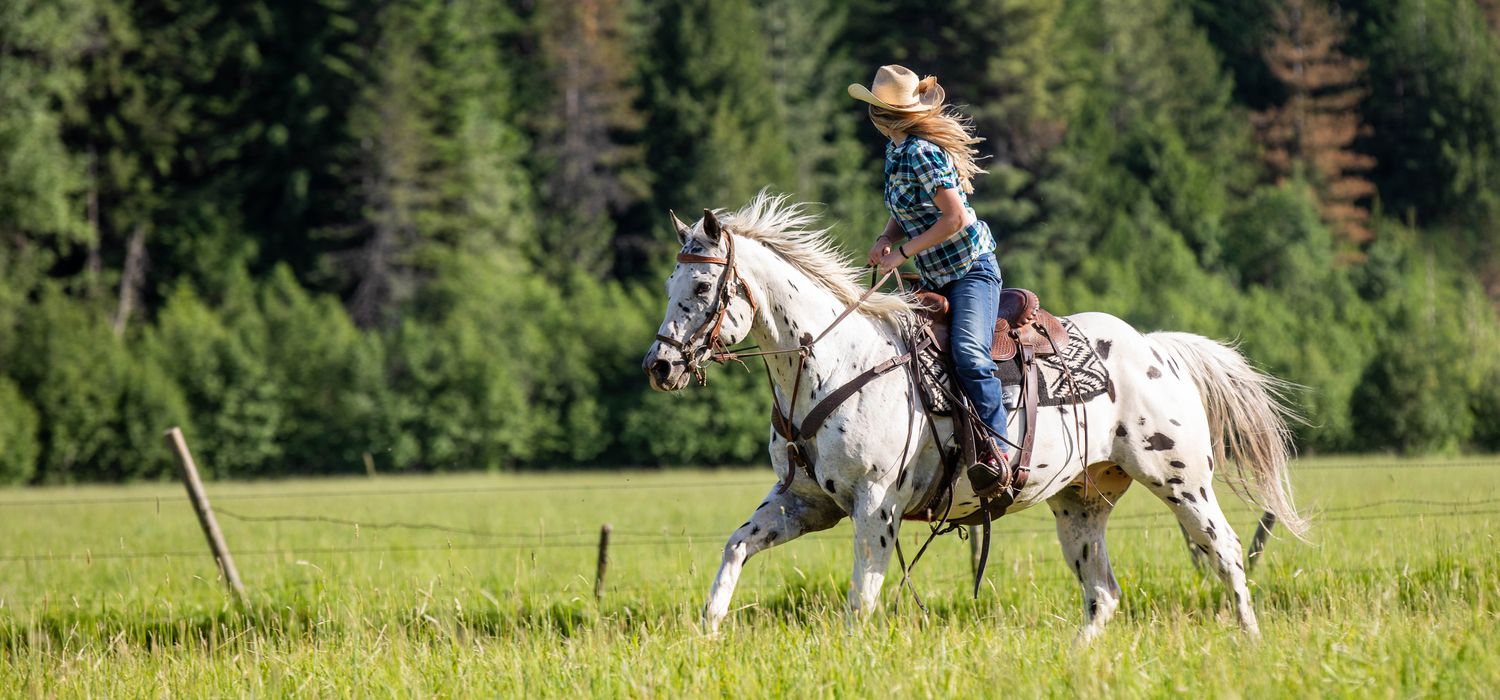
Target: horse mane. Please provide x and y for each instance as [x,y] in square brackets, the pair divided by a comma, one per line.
[789,230]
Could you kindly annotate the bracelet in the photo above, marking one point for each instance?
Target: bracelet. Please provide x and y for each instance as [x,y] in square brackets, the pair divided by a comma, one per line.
[902,250]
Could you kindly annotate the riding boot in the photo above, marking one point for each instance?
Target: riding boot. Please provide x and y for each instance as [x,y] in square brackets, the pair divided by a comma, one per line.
[990,474]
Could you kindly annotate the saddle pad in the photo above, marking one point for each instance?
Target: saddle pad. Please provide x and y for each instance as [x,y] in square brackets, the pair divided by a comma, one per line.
[1089,373]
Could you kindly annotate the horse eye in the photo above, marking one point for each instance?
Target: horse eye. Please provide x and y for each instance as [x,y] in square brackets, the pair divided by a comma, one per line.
[701,289]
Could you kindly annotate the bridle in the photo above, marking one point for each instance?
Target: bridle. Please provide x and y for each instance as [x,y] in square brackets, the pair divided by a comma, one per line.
[705,343]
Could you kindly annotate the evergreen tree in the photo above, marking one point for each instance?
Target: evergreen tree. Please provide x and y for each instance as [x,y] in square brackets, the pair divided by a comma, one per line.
[587,159]
[714,135]
[1317,126]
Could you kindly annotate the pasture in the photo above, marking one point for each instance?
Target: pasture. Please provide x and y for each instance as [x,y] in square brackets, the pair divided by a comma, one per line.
[482,585]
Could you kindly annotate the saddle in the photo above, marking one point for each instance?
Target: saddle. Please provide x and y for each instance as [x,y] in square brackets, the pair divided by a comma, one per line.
[1023,332]
[1022,322]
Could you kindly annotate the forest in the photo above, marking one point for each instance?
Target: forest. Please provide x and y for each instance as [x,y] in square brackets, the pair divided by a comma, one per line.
[332,236]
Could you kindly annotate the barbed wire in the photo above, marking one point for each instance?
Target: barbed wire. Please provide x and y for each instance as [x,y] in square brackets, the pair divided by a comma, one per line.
[555,488]
[540,541]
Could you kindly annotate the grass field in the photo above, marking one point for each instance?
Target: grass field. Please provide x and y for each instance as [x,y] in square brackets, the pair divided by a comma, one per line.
[109,592]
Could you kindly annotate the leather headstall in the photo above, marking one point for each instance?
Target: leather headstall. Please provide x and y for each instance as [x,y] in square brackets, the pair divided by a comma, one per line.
[730,283]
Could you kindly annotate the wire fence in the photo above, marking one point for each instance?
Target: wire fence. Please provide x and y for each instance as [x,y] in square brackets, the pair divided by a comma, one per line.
[489,539]
[578,539]
[500,489]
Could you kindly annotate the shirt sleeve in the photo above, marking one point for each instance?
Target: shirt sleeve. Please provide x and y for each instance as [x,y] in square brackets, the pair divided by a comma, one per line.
[933,168]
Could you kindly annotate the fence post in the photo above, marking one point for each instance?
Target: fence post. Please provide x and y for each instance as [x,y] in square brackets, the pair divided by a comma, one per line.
[199,499]
[603,562]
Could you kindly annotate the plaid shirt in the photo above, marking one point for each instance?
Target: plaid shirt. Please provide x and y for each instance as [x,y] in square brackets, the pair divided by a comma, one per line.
[915,170]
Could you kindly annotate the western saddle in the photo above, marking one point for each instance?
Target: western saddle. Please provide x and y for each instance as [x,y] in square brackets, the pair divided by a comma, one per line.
[1023,332]
[1022,322]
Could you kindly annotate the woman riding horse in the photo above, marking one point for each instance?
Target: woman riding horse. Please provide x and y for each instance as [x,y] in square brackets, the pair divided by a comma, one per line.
[929,170]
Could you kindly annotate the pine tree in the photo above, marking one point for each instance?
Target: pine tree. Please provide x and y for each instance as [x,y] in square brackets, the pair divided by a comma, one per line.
[714,135]
[588,165]
[1317,127]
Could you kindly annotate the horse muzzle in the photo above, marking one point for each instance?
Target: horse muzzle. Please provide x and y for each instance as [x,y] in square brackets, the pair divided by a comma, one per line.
[665,369]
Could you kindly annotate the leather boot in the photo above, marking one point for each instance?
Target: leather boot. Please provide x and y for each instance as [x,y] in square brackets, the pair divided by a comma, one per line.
[993,474]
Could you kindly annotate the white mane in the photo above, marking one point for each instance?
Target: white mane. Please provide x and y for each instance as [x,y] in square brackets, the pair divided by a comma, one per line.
[788,230]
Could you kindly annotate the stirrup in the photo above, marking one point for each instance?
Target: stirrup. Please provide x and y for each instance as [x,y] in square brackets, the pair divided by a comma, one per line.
[993,474]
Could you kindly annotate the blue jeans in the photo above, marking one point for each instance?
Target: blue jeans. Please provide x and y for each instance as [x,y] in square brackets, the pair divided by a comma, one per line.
[975,301]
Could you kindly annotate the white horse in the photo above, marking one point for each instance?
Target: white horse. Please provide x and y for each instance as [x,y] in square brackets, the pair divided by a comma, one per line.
[1182,404]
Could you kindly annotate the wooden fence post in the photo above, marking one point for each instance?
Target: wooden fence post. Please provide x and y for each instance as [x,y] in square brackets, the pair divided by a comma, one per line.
[603,562]
[205,513]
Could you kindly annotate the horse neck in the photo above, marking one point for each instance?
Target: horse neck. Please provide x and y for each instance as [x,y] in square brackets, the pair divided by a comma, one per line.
[795,308]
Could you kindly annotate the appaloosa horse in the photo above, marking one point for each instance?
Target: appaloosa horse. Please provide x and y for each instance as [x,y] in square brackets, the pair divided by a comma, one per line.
[1180,406]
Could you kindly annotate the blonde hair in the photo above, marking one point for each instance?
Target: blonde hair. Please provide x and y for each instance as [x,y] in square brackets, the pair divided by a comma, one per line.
[944,126]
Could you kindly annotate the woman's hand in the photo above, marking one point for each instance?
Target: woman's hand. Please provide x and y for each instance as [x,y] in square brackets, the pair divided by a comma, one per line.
[878,251]
[890,261]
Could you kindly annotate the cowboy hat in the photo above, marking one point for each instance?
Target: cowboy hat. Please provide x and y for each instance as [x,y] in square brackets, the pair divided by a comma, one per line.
[898,89]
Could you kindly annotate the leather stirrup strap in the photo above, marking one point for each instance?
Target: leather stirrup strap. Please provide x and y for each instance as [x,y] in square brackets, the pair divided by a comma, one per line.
[1023,460]
[984,547]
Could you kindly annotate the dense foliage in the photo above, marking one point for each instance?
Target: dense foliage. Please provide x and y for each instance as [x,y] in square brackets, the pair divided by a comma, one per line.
[427,235]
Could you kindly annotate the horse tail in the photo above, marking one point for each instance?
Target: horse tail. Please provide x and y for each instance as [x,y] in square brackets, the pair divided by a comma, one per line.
[1247,419]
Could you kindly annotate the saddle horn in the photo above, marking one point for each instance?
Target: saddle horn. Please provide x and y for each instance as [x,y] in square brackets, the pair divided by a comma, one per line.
[679,227]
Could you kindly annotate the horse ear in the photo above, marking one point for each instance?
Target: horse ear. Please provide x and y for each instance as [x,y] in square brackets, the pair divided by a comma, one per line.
[711,226]
[679,227]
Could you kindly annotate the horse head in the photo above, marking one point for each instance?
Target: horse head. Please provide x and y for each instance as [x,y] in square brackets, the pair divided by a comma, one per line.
[708,305]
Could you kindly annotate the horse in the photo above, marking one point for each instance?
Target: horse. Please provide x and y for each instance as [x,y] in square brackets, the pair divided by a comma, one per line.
[1182,409]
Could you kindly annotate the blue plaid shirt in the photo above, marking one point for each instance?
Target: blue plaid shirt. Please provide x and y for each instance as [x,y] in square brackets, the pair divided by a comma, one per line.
[915,170]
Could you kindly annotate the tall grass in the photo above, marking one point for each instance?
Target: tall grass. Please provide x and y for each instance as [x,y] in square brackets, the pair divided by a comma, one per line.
[1396,599]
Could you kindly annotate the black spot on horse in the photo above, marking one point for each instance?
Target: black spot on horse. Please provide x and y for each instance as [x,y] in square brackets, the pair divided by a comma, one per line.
[1159,442]
[1065,512]
[1173,421]
[763,504]
[882,541]
[1120,430]
[1177,464]
[1203,491]
[1189,497]
[771,536]
[1210,464]
[891,530]
[754,531]
[1102,347]
[1085,553]
[1175,480]
[1142,421]
[793,285]
[828,484]
[1093,609]
[1157,356]
[1153,373]
[1078,569]
[1174,500]
[885,518]
[1041,466]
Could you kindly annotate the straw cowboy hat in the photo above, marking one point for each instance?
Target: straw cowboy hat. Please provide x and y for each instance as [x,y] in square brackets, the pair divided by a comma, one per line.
[898,89]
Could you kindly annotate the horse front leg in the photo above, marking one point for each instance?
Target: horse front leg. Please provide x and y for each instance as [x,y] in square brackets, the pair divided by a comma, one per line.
[877,524]
[780,518]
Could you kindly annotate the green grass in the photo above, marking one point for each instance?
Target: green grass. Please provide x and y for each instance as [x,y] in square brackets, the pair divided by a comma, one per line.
[1398,602]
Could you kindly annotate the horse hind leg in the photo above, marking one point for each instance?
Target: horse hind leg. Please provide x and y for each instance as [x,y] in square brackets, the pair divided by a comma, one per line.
[1082,511]
[1188,490]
